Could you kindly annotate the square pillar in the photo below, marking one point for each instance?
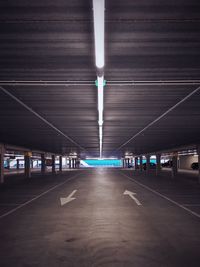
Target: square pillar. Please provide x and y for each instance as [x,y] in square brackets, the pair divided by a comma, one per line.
[70,163]
[78,163]
[147,164]
[73,163]
[158,164]
[141,166]
[174,164]
[136,163]
[53,164]
[2,152]
[43,163]
[198,152]
[32,163]
[17,164]
[27,163]
[60,163]
[8,163]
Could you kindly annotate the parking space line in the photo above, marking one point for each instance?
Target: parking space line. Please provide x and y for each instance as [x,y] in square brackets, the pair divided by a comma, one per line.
[35,198]
[162,196]
[191,205]
[10,204]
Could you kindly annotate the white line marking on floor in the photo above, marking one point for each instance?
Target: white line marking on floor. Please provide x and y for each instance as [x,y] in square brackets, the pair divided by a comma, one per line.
[10,204]
[163,196]
[33,199]
[190,205]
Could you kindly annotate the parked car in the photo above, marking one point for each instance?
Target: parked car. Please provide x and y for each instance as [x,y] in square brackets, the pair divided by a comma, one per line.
[152,165]
[167,163]
[195,165]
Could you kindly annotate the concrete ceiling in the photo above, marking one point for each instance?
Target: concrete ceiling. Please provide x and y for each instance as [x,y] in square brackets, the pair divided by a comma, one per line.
[145,41]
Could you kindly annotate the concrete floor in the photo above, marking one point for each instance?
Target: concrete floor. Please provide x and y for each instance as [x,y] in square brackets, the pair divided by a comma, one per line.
[102,226]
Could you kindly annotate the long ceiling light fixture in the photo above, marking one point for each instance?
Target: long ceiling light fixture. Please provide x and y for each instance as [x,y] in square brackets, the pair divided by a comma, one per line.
[99,29]
[98,12]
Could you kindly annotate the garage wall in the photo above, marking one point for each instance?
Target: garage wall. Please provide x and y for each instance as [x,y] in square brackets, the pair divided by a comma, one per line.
[186,161]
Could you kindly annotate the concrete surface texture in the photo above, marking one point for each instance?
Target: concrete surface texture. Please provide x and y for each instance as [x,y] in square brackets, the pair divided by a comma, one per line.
[151,225]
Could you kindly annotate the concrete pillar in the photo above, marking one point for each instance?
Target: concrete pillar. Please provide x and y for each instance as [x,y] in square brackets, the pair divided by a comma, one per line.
[17,164]
[147,164]
[8,163]
[158,164]
[141,165]
[78,163]
[136,162]
[32,162]
[60,163]
[198,152]
[53,164]
[174,165]
[27,165]
[2,152]
[70,163]
[74,163]
[43,163]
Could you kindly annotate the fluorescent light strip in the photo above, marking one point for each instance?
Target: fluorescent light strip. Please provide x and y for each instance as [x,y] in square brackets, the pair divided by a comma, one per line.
[100,111]
[100,139]
[99,28]
[98,11]
[100,99]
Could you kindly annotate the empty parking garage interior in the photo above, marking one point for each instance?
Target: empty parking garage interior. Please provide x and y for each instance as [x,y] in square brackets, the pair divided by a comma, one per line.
[99,133]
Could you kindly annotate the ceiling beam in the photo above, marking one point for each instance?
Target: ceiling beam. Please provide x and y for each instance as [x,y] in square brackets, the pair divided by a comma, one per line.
[159,118]
[40,117]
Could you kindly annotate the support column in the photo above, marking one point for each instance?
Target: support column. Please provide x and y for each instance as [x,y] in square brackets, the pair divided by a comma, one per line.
[74,165]
[198,152]
[141,164]
[17,164]
[32,163]
[53,164]
[122,163]
[27,163]
[136,163]
[78,163]
[147,164]
[158,165]
[8,163]
[70,162]
[60,163]
[174,164]
[2,152]
[43,163]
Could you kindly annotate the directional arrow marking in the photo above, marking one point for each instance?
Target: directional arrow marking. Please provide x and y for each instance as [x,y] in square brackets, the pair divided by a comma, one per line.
[65,200]
[132,195]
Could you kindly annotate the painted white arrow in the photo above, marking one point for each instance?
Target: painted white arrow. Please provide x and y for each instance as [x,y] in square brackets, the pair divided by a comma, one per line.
[65,200]
[132,195]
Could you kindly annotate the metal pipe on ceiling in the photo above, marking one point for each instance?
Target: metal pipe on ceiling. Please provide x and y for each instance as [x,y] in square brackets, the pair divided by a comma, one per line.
[108,82]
